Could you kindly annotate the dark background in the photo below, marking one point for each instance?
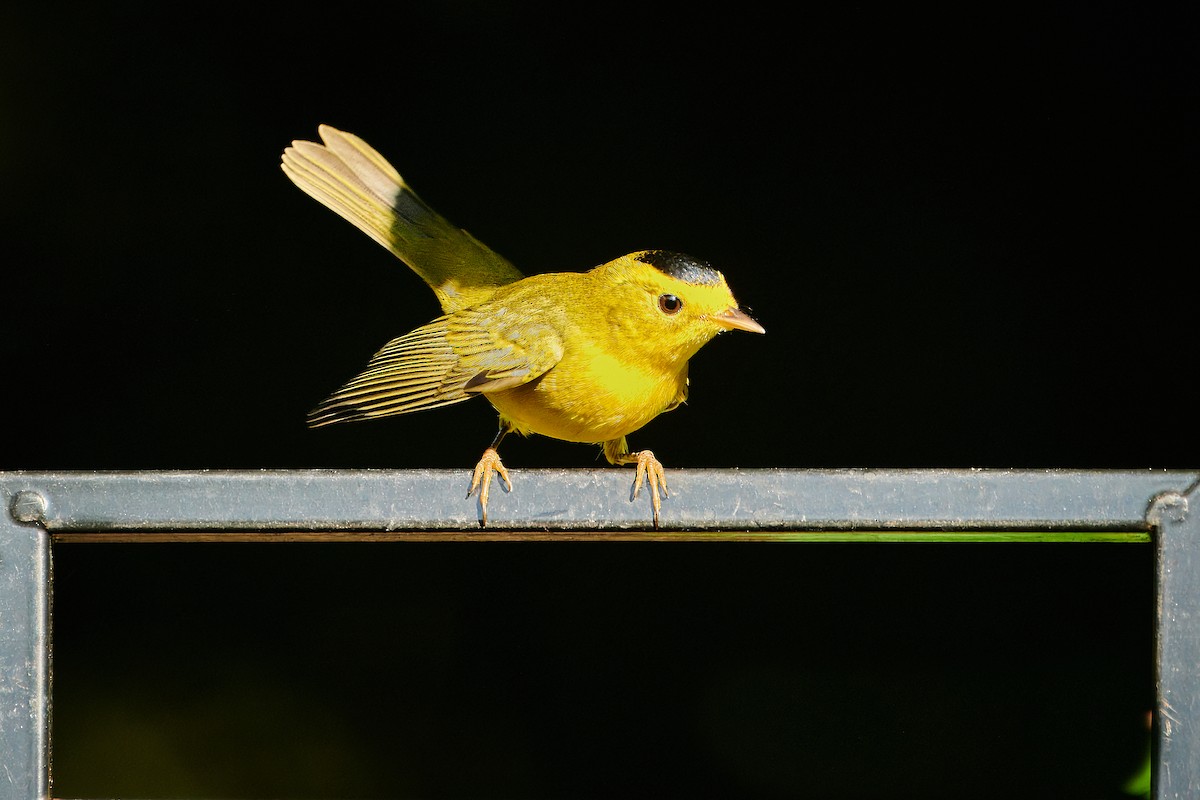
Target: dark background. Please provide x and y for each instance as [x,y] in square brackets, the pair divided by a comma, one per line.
[967,230]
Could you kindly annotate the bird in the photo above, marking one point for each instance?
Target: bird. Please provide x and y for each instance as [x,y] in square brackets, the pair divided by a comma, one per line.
[586,357]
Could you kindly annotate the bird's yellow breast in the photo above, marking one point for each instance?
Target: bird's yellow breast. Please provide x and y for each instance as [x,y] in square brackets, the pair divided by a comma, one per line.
[591,396]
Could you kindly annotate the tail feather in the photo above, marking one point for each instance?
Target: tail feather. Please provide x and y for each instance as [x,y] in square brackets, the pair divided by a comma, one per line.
[351,178]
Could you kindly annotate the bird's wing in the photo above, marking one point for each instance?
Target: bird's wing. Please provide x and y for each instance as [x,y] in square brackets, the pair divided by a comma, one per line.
[501,350]
[451,359]
[349,177]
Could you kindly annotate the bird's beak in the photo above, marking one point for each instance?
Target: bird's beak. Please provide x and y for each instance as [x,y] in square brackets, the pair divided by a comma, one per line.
[736,318]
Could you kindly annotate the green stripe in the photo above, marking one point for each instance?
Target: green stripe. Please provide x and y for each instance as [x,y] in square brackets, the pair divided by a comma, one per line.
[1125,537]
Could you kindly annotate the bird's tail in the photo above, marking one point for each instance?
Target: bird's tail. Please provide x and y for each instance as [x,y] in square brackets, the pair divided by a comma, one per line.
[350,178]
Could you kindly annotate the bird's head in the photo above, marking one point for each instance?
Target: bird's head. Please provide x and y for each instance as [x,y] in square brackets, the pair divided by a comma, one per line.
[671,302]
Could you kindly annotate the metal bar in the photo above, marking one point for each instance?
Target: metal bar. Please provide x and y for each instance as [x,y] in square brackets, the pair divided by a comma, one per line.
[550,504]
[598,500]
[24,651]
[1177,774]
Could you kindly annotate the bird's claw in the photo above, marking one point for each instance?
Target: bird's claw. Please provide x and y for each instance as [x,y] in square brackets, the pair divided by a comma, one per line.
[488,465]
[650,470]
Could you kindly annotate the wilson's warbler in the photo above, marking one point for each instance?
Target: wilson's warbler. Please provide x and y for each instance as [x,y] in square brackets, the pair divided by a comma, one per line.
[584,357]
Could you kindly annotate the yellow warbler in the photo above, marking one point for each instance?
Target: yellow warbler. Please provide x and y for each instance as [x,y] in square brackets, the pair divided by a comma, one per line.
[579,356]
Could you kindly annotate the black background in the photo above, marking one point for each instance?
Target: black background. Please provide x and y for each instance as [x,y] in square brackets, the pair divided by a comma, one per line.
[967,230]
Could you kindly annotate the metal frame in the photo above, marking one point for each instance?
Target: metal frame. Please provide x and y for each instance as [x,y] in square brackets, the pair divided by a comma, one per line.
[46,507]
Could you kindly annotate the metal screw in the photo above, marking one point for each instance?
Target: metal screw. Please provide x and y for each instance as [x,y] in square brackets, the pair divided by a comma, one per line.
[28,506]
[1171,506]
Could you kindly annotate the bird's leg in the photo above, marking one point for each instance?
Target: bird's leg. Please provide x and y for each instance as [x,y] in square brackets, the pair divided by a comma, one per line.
[649,470]
[482,477]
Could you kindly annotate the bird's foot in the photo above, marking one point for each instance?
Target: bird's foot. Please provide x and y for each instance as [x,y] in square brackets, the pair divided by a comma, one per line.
[649,470]
[488,465]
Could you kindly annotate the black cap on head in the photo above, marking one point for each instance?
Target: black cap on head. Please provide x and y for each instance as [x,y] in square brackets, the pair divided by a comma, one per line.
[684,268]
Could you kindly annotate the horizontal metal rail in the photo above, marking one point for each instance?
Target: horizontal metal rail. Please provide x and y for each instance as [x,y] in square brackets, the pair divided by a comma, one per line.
[44,508]
[595,500]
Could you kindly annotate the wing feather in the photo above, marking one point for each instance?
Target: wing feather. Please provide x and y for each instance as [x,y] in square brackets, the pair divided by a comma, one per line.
[452,359]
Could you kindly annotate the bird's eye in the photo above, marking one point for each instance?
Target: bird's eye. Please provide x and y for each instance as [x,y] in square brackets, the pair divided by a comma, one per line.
[669,304]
